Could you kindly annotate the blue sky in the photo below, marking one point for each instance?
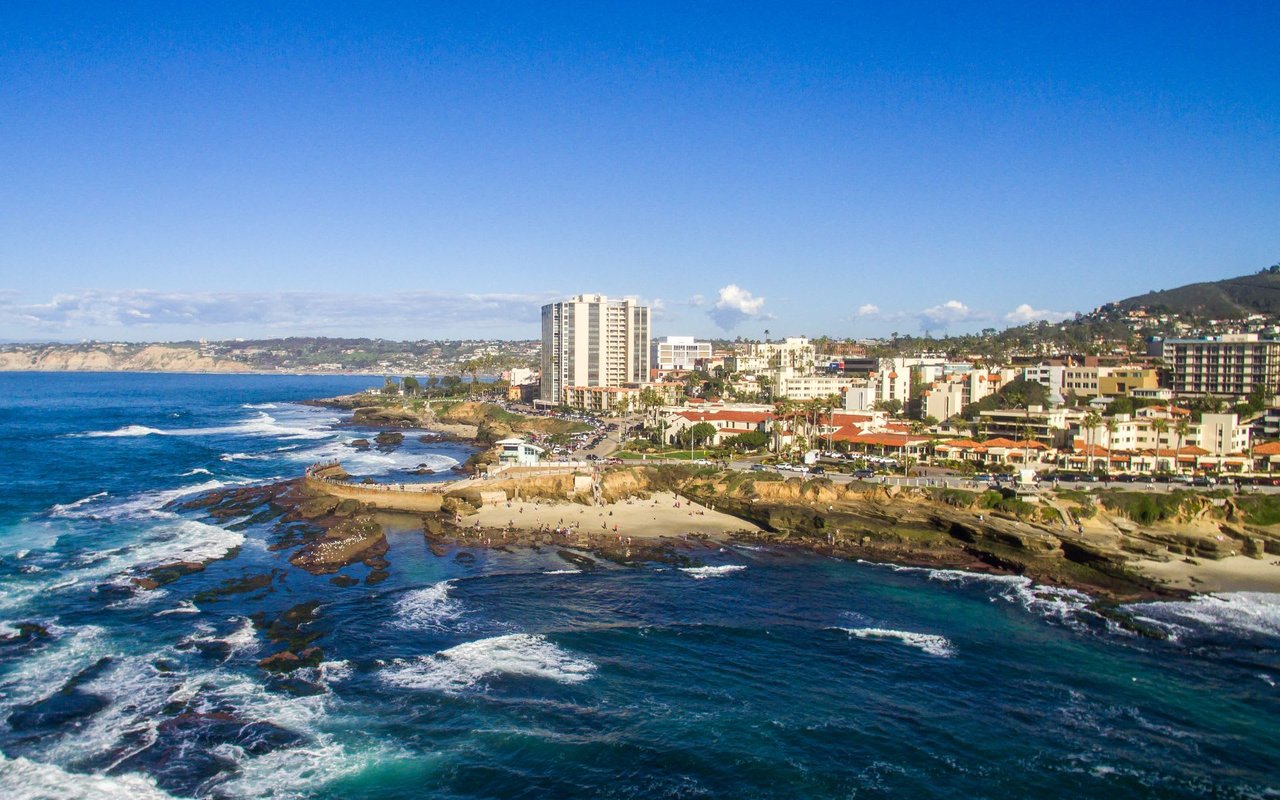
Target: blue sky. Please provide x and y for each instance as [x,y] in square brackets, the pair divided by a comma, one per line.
[439,170]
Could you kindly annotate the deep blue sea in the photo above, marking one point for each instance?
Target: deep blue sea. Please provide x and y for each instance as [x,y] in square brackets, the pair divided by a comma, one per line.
[766,673]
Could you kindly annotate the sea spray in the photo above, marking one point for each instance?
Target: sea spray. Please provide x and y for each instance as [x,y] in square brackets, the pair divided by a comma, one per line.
[462,667]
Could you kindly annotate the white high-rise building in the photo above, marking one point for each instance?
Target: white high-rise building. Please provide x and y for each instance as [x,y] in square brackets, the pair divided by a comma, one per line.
[589,340]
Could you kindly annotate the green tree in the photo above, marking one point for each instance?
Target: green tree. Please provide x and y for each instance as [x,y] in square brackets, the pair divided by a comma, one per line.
[410,385]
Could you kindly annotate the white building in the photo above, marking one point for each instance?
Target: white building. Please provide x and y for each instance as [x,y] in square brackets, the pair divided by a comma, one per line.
[680,352]
[589,340]
[518,453]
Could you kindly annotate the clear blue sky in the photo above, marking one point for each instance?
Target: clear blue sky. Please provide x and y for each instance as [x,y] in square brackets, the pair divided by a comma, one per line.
[405,170]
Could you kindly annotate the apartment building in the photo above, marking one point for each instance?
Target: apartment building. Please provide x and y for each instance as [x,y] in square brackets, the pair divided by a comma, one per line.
[1232,365]
[1104,381]
[680,353]
[592,341]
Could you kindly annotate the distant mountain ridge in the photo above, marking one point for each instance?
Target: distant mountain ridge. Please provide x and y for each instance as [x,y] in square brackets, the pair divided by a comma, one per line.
[1229,298]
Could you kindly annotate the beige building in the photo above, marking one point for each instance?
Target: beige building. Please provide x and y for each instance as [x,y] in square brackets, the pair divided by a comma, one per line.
[680,353]
[591,341]
[1101,381]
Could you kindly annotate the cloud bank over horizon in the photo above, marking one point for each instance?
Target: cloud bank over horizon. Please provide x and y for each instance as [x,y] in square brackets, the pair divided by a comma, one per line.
[273,313]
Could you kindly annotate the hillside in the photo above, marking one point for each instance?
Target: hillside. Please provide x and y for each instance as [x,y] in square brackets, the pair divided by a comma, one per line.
[1233,297]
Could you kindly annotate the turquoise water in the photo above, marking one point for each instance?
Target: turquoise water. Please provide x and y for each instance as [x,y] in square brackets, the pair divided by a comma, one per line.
[492,674]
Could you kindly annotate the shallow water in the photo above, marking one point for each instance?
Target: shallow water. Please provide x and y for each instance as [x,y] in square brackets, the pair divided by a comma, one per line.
[759,673]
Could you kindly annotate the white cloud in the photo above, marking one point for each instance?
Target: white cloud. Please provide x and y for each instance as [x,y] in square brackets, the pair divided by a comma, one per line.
[1025,313]
[952,312]
[697,301]
[94,311]
[735,306]
[868,310]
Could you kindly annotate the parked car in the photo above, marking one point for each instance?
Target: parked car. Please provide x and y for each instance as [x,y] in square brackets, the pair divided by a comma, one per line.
[863,474]
[757,468]
[817,471]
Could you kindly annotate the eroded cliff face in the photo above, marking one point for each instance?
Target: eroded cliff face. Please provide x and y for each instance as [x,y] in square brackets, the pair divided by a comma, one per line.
[113,358]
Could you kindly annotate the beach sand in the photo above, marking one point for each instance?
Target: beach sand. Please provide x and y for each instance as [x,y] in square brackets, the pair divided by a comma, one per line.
[1231,574]
[651,518]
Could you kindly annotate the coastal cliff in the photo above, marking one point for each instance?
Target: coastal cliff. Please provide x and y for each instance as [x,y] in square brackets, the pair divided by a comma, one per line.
[113,358]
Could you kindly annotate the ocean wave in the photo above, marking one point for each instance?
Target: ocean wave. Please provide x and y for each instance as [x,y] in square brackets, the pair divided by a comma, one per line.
[66,509]
[429,607]
[172,540]
[184,607]
[1246,614]
[562,572]
[261,424]
[462,667]
[297,772]
[149,504]
[930,643]
[243,639]
[702,573]
[196,471]
[46,671]
[1050,602]
[242,457]
[373,461]
[127,430]
[259,406]
[24,779]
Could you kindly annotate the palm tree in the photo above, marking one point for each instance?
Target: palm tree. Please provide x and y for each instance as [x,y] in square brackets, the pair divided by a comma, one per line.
[1110,424]
[1161,427]
[1091,421]
[1182,427]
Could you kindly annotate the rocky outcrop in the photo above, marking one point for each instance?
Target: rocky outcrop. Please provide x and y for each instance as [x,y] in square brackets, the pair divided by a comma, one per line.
[347,542]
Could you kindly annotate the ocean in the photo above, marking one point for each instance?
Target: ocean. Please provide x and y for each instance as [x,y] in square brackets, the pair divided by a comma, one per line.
[762,672]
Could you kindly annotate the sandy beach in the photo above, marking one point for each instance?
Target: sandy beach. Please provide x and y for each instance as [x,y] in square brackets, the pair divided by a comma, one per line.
[1231,574]
[663,514]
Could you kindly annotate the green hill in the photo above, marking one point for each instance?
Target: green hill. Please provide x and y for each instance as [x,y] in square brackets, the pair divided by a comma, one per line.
[1232,297]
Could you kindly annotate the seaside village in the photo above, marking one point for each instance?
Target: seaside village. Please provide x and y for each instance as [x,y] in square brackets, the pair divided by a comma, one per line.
[1192,410]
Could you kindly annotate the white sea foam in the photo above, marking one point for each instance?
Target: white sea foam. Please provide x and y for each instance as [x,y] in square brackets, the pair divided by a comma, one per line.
[460,668]
[562,572]
[185,540]
[429,607]
[930,643]
[24,779]
[702,573]
[1240,613]
[334,671]
[169,541]
[373,461]
[261,424]
[184,607]
[127,430]
[259,406]
[66,509]
[1052,602]
[44,672]
[242,457]
[196,471]
[144,504]
[297,772]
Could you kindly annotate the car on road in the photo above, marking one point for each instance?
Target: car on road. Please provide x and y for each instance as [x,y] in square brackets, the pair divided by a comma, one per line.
[863,474]
[758,467]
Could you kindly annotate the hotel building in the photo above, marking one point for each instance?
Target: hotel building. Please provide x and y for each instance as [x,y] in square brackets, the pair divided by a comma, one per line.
[592,341]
